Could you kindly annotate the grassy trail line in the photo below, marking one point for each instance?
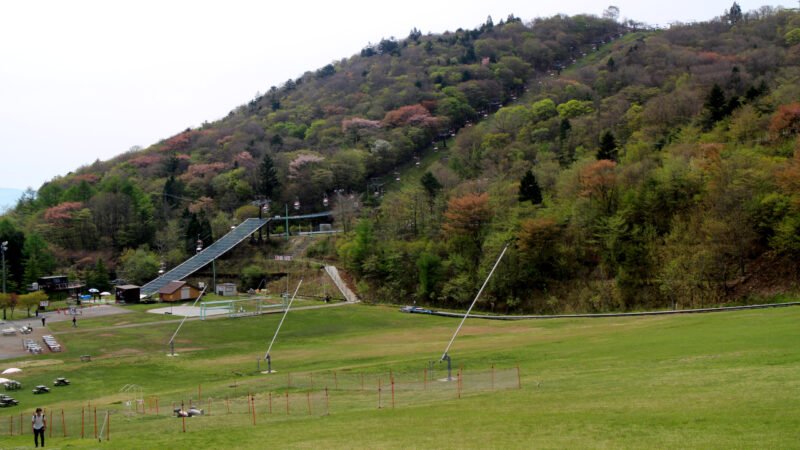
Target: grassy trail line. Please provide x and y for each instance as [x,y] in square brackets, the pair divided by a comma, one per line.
[134,325]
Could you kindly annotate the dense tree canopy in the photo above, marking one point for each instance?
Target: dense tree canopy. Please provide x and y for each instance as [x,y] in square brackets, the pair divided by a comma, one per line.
[662,165]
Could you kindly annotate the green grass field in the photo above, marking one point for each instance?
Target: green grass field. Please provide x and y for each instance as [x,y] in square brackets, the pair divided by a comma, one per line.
[708,380]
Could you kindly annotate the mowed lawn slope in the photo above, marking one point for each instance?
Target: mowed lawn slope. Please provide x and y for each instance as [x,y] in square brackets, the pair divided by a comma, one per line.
[706,380]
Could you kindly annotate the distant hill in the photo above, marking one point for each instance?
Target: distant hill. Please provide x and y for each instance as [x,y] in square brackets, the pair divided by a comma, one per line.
[8,198]
[629,168]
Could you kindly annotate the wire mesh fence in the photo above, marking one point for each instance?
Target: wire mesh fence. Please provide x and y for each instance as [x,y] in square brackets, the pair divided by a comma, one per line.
[255,400]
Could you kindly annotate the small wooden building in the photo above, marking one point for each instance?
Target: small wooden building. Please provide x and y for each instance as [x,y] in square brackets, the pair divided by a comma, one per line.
[226,289]
[127,293]
[177,291]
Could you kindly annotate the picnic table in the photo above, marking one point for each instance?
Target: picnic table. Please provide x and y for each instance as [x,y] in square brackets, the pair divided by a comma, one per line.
[6,401]
[41,389]
[12,385]
[61,382]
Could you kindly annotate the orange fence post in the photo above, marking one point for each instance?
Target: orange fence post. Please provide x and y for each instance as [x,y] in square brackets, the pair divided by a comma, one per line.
[95,422]
[327,405]
[379,392]
[287,400]
[253,407]
[308,397]
[392,392]
[183,418]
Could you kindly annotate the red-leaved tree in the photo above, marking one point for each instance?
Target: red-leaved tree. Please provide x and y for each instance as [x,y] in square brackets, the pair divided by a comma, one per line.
[786,122]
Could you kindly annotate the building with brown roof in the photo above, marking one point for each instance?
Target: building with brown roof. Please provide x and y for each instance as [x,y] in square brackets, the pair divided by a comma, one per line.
[176,291]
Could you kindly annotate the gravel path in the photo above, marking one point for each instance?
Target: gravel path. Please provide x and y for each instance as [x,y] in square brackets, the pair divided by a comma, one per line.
[11,346]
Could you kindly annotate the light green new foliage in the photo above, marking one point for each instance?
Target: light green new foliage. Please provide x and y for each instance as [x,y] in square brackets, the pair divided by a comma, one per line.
[705,380]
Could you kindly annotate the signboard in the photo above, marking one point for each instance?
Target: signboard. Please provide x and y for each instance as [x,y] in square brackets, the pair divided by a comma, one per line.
[44,303]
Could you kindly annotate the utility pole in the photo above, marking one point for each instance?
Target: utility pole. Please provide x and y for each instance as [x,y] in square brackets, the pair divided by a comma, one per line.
[4,247]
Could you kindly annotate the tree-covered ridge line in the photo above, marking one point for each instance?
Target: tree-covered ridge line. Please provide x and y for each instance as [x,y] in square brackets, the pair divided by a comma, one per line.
[612,158]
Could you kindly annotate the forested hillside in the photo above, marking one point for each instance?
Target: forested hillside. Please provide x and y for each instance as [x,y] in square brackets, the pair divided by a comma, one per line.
[627,167]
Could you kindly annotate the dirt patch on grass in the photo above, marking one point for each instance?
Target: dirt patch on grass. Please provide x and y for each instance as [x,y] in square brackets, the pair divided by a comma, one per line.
[39,363]
[120,352]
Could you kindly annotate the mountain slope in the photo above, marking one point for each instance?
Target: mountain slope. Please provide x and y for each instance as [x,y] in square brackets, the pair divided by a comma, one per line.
[660,165]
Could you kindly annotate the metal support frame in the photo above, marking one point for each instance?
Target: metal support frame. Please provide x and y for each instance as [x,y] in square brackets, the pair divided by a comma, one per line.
[267,356]
[172,339]
[445,356]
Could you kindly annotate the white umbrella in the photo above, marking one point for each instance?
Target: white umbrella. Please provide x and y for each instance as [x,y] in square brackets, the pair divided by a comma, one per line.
[4,380]
[93,290]
[103,294]
[11,370]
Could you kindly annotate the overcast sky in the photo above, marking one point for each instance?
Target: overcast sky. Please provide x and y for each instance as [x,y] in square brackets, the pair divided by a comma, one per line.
[82,80]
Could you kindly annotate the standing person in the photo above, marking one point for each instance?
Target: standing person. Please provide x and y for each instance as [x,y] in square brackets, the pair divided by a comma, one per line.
[74,322]
[39,423]
[43,319]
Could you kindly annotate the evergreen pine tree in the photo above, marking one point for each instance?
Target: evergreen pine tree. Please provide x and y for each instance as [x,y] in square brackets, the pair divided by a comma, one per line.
[99,276]
[268,184]
[431,186]
[529,189]
[715,107]
[608,147]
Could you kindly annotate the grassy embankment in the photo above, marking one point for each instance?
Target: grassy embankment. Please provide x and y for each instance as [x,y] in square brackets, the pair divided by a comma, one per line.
[721,380]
